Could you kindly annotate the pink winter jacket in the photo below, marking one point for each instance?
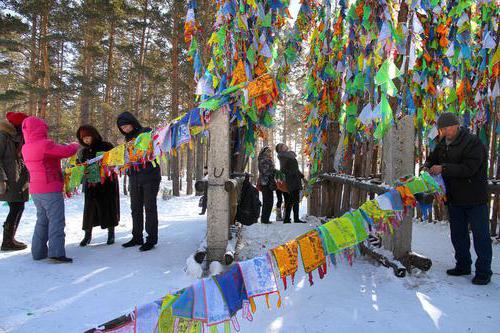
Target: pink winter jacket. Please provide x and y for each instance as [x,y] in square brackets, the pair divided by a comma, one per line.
[43,157]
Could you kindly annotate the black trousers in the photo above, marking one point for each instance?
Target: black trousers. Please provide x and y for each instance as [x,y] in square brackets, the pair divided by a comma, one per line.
[279,195]
[292,202]
[15,212]
[143,198]
[267,203]
[476,216]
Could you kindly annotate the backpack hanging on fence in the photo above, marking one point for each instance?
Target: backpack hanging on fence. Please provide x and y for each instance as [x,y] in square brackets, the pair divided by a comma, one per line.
[248,211]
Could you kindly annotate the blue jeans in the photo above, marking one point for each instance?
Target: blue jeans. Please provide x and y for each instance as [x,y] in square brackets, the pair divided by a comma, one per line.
[477,217]
[50,223]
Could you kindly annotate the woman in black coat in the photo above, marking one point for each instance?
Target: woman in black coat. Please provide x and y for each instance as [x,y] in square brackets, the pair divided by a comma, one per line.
[14,178]
[102,199]
[293,178]
[266,182]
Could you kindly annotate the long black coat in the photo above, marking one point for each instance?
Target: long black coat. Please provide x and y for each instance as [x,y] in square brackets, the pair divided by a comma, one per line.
[290,167]
[149,173]
[465,166]
[12,167]
[102,200]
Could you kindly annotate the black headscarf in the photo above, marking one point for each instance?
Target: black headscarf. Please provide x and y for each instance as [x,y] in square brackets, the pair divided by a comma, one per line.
[127,118]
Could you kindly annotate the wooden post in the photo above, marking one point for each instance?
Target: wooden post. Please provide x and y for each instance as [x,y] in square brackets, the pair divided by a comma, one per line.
[399,151]
[218,197]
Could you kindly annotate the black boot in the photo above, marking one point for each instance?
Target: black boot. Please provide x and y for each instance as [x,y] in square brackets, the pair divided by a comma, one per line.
[111,236]
[8,236]
[458,271]
[132,243]
[481,279]
[146,247]
[87,238]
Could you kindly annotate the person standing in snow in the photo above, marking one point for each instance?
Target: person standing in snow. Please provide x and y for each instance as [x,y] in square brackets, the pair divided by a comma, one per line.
[43,160]
[461,159]
[266,182]
[204,197]
[102,199]
[144,186]
[13,178]
[293,178]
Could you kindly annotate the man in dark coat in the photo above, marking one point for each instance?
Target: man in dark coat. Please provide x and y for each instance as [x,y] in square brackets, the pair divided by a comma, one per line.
[14,178]
[102,198]
[144,186]
[293,178]
[461,159]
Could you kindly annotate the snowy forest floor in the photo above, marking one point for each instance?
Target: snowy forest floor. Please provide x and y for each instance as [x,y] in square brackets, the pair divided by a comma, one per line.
[105,282]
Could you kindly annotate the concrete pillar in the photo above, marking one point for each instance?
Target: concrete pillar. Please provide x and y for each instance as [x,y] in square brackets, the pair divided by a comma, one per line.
[398,160]
[218,210]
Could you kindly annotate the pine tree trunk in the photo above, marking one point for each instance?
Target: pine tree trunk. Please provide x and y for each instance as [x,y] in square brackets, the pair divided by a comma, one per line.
[175,78]
[58,102]
[33,100]
[44,43]
[108,96]
[200,153]
[142,52]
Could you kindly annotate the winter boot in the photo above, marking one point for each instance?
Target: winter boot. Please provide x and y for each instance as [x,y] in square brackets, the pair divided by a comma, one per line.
[21,244]
[62,260]
[481,279]
[146,247]
[132,243]
[457,271]
[279,214]
[111,236]
[8,236]
[86,240]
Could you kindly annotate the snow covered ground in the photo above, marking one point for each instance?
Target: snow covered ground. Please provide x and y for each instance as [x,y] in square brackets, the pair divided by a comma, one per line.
[107,281]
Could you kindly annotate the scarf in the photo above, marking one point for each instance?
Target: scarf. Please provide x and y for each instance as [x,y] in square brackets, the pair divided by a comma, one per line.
[147,317]
[232,288]
[312,254]
[343,234]
[217,309]
[183,306]
[259,279]
[286,256]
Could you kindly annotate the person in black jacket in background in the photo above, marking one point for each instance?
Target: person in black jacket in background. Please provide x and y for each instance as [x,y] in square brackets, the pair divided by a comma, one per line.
[102,199]
[293,178]
[461,159]
[266,182]
[144,186]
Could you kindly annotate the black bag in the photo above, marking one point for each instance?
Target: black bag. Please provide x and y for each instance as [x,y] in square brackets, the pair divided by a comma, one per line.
[248,211]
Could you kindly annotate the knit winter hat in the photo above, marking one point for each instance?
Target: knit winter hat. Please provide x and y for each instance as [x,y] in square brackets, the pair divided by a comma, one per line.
[447,119]
[16,118]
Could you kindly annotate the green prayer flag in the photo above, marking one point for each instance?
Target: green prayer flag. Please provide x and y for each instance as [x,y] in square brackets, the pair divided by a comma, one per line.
[387,71]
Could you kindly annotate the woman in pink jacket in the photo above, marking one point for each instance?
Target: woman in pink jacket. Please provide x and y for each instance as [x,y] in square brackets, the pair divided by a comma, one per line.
[43,159]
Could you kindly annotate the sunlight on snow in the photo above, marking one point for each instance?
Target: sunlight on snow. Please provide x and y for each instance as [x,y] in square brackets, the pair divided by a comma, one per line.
[433,312]
[276,324]
[88,276]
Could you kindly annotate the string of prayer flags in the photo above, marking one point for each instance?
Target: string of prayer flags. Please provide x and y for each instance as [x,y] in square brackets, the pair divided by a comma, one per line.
[216,300]
[312,254]
[286,256]
[114,157]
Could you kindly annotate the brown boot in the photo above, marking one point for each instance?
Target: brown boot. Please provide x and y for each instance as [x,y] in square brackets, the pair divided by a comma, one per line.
[8,236]
[14,239]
